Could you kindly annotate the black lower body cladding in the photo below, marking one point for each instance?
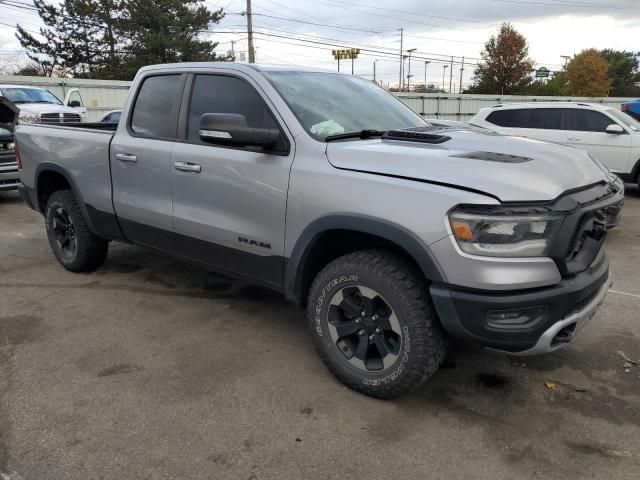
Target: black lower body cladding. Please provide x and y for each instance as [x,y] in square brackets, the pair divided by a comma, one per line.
[515,321]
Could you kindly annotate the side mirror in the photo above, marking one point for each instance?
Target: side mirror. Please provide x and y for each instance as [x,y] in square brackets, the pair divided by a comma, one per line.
[615,129]
[232,129]
[74,104]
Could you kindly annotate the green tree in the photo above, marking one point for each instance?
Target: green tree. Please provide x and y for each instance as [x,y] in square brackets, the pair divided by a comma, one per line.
[624,70]
[588,75]
[79,36]
[506,66]
[167,31]
[112,39]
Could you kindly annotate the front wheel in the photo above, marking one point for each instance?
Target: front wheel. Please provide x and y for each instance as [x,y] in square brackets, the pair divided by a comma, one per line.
[72,243]
[373,324]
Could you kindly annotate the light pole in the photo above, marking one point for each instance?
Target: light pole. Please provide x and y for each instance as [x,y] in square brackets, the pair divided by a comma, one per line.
[444,74]
[410,51]
[426,64]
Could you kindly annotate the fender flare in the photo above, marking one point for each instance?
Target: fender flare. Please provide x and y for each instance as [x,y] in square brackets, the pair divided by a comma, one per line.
[387,230]
[54,167]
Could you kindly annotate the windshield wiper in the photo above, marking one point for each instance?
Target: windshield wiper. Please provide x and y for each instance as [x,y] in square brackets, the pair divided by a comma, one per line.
[363,134]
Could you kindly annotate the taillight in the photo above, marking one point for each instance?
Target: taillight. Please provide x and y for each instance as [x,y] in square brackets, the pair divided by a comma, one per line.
[626,107]
[18,161]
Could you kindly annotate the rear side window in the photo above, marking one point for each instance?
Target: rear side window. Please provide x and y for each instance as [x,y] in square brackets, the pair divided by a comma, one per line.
[225,94]
[540,118]
[587,121]
[155,113]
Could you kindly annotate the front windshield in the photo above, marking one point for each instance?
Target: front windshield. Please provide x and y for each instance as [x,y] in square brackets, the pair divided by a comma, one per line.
[625,119]
[331,104]
[29,95]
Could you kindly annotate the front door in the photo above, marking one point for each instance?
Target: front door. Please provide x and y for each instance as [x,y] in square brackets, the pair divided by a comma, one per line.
[586,130]
[141,162]
[228,202]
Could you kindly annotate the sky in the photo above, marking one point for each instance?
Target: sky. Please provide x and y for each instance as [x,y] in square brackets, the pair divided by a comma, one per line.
[437,29]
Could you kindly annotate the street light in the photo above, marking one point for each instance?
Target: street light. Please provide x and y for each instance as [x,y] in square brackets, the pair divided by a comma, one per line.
[444,73]
[410,51]
[426,64]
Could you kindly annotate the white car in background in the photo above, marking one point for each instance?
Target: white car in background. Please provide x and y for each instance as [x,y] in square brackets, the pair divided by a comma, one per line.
[39,105]
[607,134]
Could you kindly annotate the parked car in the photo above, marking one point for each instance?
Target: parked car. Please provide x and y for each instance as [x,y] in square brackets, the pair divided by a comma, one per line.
[112,116]
[607,134]
[9,175]
[324,187]
[632,108]
[38,105]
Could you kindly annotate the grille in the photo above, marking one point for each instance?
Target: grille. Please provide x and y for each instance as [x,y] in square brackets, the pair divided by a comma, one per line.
[59,117]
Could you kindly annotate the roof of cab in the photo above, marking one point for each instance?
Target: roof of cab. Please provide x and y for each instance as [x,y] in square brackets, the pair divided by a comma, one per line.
[260,67]
[560,104]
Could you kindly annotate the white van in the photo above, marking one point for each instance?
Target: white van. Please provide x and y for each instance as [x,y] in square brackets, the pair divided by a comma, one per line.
[607,134]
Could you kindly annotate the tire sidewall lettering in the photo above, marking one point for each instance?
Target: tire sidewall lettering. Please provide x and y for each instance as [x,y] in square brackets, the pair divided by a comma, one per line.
[323,294]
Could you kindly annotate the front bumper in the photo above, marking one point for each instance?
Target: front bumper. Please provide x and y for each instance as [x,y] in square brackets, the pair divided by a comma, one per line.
[9,174]
[550,316]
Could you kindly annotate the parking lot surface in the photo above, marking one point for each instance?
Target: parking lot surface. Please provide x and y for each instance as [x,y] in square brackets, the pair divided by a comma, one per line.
[153,369]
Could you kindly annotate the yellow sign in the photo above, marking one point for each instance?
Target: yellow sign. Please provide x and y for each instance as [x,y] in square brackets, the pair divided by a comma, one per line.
[347,54]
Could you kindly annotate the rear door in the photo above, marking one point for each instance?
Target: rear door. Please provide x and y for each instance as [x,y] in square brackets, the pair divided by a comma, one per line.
[229,202]
[586,130]
[544,124]
[141,161]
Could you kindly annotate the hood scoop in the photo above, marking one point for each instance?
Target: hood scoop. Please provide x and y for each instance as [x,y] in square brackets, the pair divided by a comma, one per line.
[494,157]
[415,135]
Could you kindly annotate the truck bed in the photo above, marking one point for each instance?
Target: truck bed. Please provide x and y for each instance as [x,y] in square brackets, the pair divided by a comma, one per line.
[81,149]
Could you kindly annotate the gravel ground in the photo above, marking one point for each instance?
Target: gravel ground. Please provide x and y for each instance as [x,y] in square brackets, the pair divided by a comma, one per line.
[152,369]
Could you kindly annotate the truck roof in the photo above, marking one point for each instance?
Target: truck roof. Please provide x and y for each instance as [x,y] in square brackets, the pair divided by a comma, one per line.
[260,67]
[8,85]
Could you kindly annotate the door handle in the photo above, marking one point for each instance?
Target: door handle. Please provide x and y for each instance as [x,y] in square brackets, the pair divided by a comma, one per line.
[573,139]
[187,167]
[125,157]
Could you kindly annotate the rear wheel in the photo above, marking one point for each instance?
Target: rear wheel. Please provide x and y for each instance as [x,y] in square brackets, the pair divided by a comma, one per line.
[373,324]
[71,241]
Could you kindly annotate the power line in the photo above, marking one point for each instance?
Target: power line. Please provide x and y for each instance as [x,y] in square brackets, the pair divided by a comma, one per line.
[569,4]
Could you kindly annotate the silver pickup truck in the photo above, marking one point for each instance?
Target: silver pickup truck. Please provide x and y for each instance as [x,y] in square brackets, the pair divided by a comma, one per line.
[395,234]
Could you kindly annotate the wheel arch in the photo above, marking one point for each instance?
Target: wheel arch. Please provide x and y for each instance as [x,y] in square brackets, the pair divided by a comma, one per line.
[51,177]
[330,237]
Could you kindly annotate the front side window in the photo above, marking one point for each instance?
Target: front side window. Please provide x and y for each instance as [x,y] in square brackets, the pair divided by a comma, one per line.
[155,113]
[538,118]
[587,121]
[226,94]
[75,99]
[625,119]
[29,95]
[329,103]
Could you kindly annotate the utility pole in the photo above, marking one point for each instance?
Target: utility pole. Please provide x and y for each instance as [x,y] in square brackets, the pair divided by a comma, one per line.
[233,50]
[451,76]
[352,60]
[444,72]
[400,82]
[461,72]
[252,54]
[426,64]
[374,71]
[410,51]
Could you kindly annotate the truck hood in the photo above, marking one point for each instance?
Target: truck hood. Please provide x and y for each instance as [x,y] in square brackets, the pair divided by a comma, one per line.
[511,169]
[39,108]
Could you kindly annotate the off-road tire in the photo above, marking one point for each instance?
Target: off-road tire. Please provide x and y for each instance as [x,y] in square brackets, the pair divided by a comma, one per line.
[90,251]
[423,340]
